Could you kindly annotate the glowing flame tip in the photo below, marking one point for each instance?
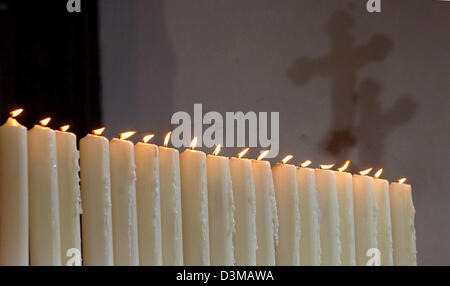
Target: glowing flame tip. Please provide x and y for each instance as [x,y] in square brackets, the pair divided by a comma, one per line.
[126,135]
[342,169]
[64,128]
[287,158]
[217,150]
[365,172]
[44,122]
[326,167]
[167,139]
[16,112]
[243,152]
[193,143]
[378,173]
[262,155]
[402,180]
[99,131]
[306,163]
[147,138]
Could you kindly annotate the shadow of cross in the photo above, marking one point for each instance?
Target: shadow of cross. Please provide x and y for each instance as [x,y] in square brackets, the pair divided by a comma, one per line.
[341,66]
[374,124]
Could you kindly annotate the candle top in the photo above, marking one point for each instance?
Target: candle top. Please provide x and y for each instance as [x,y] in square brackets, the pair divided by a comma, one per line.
[40,127]
[12,122]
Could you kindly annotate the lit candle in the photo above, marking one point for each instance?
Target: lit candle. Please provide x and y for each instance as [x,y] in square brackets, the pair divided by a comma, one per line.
[221,209]
[344,187]
[45,237]
[171,225]
[69,191]
[286,194]
[403,231]
[384,229]
[123,198]
[266,212]
[365,210]
[245,213]
[329,220]
[96,200]
[310,253]
[194,200]
[13,193]
[148,203]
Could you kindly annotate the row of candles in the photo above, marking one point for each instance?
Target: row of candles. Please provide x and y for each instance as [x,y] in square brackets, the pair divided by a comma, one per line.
[149,205]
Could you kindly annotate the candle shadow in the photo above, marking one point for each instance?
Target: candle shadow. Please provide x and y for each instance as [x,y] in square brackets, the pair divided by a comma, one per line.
[341,65]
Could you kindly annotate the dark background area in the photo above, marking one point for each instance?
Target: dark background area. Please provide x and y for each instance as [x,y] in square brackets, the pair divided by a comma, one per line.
[49,63]
[371,88]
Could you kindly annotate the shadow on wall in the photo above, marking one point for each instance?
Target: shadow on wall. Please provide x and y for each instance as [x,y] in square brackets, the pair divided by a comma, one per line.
[341,66]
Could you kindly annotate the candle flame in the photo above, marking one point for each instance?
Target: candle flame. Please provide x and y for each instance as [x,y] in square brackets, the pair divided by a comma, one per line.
[193,143]
[365,172]
[243,152]
[147,138]
[262,155]
[126,135]
[45,121]
[167,139]
[306,163]
[402,180]
[64,128]
[217,150]
[287,158]
[326,167]
[342,169]
[378,174]
[16,112]
[99,131]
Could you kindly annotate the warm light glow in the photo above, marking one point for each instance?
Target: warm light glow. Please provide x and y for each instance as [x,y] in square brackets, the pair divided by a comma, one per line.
[148,138]
[16,112]
[217,150]
[326,167]
[263,155]
[45,121]
[64,128]
[402,180]
[287,158]
[342,169]
[99,131]
[306,163]
[378,174]
[126,135]
[243,152]
[193,143]
[365,172]
[167,139]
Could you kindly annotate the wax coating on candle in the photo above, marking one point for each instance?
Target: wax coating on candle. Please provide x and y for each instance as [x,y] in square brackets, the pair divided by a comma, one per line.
[171,222]
[45,237]
[266,213]
[221,211]
[123,198]
[310,252]
[148,204]
[194,199]
[329,220]
[69,192]
[286,193]
[403,230]
[13,194]
[384,228]
[96,224]
[244,239]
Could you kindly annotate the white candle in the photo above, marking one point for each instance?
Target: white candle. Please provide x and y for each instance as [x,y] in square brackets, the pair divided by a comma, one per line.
[403,231]
[148,204]
[310,253]
[45,237]
[365,210]
[344,187]
[13,194]
[123,198]
[171,224]
[194,199]
[384,229]
[69,192]
[266,213]
[96,201]
[221,210]
[329,221]
[245,213]
[286,194]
